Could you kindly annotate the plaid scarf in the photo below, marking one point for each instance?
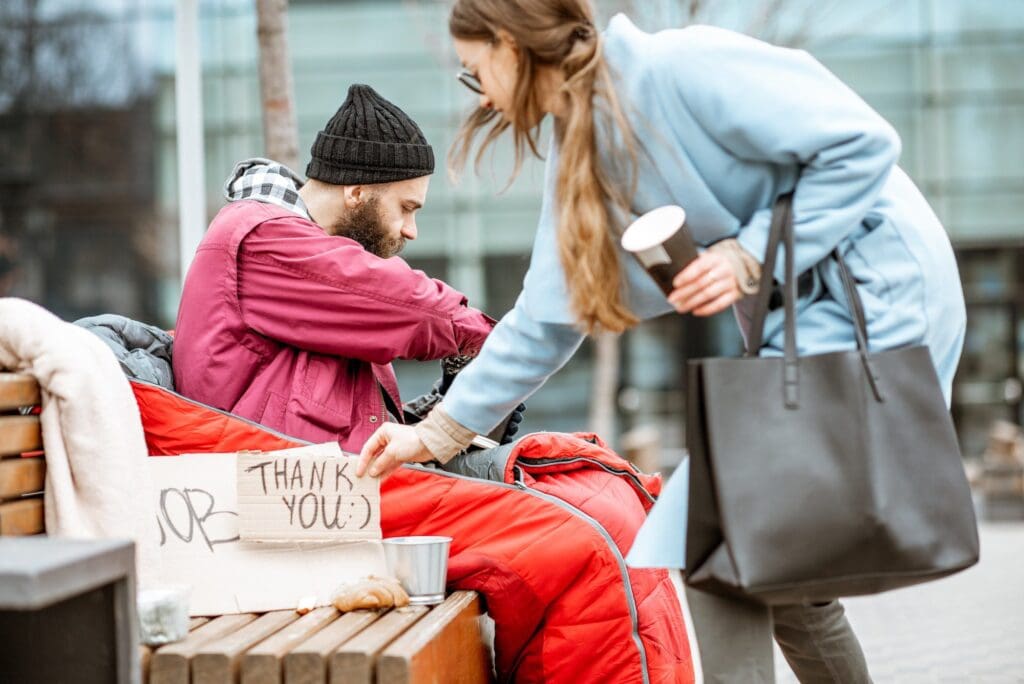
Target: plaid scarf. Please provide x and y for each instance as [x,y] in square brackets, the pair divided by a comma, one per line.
[266,181]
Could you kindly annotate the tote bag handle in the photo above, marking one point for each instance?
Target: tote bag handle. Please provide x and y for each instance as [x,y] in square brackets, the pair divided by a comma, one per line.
[781,230]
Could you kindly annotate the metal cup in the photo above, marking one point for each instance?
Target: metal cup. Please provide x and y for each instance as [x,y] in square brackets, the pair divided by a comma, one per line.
[661,244]
[420,564]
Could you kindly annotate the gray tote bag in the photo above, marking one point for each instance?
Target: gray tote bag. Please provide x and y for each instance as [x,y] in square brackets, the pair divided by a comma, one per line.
[821,476]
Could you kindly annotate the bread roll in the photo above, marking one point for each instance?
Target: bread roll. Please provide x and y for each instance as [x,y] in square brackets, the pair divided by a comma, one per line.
[370,593]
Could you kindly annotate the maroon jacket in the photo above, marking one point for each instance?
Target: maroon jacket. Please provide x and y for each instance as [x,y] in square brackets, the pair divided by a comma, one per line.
[295,329]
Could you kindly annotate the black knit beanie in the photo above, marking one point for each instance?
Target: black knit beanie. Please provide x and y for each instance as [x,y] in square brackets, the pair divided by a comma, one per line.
[369,140]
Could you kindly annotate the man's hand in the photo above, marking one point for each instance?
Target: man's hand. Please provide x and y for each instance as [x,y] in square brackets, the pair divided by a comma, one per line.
[388,448]
[706,286]
[512,426]
[450,367]
[417,409]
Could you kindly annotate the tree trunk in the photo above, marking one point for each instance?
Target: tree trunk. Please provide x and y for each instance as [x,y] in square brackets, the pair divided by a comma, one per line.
[606,385]
[280,131]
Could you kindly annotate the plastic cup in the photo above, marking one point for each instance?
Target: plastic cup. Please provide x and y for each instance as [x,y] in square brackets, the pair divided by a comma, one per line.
[420,564]
[163,614]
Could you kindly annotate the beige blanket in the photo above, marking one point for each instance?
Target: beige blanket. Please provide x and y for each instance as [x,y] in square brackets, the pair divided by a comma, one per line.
[97,482]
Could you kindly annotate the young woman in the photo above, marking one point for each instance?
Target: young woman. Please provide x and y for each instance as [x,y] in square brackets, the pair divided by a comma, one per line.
[720,124]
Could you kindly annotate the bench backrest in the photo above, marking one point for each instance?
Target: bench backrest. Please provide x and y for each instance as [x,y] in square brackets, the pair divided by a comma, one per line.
[22,466]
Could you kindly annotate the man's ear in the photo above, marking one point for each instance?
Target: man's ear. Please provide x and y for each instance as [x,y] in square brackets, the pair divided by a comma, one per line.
[355,195]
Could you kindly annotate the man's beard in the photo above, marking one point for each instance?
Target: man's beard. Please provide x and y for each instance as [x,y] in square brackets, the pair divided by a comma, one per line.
[365,225]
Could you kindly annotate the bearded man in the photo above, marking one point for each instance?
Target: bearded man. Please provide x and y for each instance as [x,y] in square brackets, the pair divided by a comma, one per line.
[295,304]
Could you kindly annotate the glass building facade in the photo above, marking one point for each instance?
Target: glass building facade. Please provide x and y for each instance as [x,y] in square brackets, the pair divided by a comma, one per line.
[89,183]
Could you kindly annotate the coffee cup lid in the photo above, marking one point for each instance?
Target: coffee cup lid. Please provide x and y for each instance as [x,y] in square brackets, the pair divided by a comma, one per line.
[653,228]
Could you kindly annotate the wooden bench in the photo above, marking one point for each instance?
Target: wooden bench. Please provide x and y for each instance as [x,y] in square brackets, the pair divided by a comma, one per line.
[411,644]
[444,643]
[21,478]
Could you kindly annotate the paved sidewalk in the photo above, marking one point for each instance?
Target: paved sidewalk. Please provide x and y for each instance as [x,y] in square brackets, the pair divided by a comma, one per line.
[968,628]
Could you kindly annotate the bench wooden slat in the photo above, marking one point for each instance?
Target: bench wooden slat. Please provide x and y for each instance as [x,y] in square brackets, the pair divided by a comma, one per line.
[19,434]
[217,662]
[21,517]
[146,652]
[354,662]
[145,655]
[262,663]
[170,663]
[21,476]
[17,390]
[307,663]
[446,645]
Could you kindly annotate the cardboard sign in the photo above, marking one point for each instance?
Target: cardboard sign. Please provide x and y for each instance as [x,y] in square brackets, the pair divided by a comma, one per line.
[196,509]
[310,493]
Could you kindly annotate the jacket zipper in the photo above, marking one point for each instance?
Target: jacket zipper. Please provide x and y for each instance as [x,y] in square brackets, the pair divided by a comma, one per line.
[543,462]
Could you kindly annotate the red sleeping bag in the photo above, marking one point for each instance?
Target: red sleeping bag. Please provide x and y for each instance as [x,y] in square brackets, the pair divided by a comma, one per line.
[544,547]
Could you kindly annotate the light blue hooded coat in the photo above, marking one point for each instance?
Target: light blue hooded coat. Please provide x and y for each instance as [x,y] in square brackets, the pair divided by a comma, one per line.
[725,123]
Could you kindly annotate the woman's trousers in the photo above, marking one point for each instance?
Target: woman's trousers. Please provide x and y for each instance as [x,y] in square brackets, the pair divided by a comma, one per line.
[735,641]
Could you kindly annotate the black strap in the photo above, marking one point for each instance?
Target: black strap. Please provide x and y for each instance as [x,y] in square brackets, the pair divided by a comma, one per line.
[389,405]
[860,326]
[764,290]
[791,369]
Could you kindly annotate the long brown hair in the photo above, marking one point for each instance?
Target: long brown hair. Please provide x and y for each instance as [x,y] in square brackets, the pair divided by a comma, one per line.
[562,33]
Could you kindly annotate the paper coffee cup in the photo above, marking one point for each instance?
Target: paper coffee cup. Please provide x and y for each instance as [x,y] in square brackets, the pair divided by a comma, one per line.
[661,243]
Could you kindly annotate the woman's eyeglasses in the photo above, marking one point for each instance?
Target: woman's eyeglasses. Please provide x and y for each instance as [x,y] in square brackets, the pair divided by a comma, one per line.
[470,80]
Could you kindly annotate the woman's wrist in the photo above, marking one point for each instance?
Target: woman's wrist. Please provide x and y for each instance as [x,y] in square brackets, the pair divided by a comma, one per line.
[442,435]
[746,267]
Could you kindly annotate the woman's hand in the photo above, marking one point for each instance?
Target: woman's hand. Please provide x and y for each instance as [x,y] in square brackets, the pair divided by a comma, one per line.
[706,286]
[389,447]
